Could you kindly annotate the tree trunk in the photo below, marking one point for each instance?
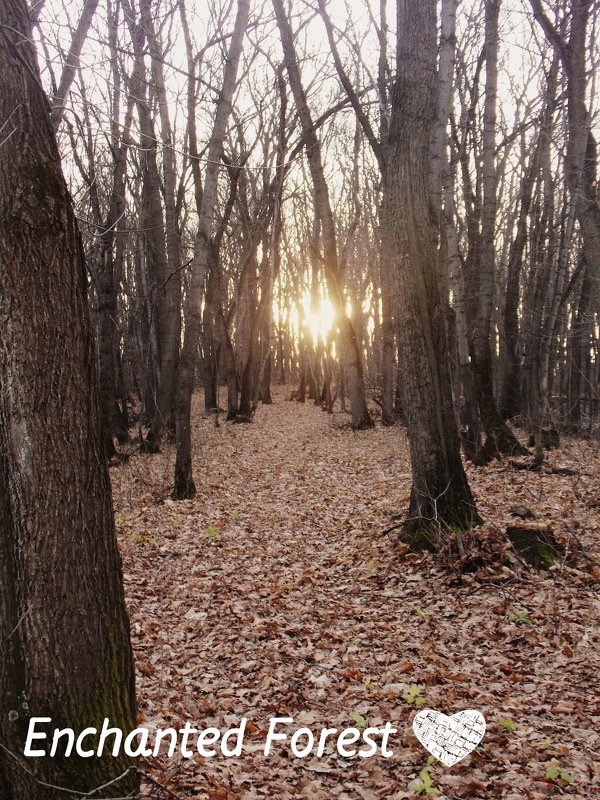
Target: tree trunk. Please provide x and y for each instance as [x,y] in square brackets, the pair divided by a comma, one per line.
[249,371]
[465,398]
[387,343]
[184,482]
[511,378]
[106,262]
[440,498]
[64,630]
[480,284]
[209,347]
[577,351]
[169,286]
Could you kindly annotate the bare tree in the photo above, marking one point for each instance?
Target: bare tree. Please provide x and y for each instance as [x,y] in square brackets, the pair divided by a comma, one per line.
[580,180]
[480,265]
[72,60]
[184,482]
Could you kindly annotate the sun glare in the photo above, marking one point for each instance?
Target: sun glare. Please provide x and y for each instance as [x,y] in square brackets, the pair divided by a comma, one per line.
[318,318]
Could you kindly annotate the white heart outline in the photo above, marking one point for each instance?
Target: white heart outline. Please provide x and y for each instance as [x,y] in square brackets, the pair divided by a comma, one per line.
[436,730]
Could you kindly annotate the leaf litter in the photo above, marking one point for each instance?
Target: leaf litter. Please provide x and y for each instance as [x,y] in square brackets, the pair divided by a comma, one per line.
[274,593]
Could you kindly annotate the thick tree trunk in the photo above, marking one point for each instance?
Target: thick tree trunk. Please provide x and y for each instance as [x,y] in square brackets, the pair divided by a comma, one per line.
[440,499]
[63,625]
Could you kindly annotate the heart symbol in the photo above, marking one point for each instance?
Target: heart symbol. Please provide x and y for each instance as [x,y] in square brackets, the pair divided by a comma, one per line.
[449,739]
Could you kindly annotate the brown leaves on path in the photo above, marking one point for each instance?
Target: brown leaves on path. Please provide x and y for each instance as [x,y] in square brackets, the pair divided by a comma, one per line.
[273,593]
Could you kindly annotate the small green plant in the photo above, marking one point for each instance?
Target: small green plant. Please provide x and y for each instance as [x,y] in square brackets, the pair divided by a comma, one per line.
[422,613]
[360,722]
[144,538]
[212,534]
[507,724]
[146,541]
[413,696]
[522,618]
[556,773]
[424,785]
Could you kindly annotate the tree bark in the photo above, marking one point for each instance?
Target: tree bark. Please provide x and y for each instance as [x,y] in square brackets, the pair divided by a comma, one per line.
[64,631]
[440,498]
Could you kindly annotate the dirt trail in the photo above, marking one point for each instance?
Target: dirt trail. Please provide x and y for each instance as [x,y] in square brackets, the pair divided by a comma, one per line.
[274,594]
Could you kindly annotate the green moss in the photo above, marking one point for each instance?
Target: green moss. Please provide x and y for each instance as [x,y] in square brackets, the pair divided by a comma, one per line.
[109,698]
[428,535]
[422,540]
[538,548]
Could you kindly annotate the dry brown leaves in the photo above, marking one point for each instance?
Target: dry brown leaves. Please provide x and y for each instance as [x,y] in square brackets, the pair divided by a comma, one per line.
[273,593]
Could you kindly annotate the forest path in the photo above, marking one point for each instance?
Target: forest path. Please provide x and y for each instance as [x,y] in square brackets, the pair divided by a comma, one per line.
[273,593]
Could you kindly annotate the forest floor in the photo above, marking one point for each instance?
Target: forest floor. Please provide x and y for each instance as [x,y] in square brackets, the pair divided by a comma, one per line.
[274,594]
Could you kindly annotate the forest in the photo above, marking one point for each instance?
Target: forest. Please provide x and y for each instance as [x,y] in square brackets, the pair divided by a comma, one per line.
[299,399]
